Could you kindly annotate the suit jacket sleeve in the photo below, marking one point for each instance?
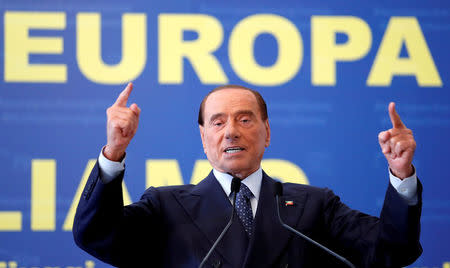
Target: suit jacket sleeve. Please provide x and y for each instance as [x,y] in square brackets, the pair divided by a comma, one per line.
[106,229]
[392,240]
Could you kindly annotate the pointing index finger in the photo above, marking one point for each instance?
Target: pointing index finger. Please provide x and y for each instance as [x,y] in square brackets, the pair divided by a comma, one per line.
[395,118]
[123,96]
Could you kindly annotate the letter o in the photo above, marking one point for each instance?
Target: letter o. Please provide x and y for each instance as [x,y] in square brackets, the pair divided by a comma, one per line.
[241,50]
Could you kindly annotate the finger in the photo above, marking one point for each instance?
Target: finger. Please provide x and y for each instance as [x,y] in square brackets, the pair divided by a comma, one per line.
[121,112]
[119,125]
[383,139]
[124,117]
[127,129]
[402,147]
[125,125]
[385,148]
[123,97]
[395,118]
[399,148]
[403,144]
[135,109]
[384,136]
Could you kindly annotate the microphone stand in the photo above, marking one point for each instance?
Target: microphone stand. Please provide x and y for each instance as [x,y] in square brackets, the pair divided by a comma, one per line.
[235,186]
[339,257]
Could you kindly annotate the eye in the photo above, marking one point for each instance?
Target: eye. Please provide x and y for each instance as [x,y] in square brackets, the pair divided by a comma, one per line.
[245,120]
[217,123]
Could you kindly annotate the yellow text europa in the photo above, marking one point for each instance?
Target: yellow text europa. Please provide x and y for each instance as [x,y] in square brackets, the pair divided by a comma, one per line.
[174,51]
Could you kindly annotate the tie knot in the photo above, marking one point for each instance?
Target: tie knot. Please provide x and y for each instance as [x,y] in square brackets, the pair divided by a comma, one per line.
[245,192]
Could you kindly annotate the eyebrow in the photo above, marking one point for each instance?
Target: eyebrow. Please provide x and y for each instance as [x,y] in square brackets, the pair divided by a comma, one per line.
[239,112]
[215,116]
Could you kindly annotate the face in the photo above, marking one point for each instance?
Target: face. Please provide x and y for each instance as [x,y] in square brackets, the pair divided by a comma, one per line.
[234,136]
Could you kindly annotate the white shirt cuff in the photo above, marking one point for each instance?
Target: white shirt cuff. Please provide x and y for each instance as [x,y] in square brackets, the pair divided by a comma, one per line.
[406,188]
[109,169]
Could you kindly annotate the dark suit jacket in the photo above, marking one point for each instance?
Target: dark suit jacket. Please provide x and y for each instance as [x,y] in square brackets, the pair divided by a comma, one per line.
[175,226]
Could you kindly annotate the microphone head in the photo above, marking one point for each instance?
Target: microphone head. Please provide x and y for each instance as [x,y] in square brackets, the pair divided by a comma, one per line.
[235,185]
[278,189]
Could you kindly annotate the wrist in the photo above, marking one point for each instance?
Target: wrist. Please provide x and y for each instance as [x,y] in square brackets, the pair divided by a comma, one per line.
[115,155]
[403,174]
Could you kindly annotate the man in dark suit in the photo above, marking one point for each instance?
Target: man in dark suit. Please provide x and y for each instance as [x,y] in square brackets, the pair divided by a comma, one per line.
[175,226]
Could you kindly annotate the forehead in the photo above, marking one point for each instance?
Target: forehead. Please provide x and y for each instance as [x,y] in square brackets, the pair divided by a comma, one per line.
[229,100]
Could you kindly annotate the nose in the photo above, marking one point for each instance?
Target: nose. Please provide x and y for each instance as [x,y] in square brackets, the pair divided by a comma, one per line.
[232,131]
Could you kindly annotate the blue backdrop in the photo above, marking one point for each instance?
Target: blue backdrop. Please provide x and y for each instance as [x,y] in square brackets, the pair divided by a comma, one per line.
[327,69]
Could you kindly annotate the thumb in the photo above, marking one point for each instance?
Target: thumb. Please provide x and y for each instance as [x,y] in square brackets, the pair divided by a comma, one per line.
[135,109]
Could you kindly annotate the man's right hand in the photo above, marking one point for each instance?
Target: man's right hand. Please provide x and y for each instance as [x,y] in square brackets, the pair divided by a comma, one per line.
[121,126]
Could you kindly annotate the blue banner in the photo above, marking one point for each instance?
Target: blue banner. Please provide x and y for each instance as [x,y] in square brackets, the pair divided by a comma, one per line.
[326,69]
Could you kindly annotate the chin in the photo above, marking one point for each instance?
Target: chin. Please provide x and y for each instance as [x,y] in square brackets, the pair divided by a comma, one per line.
[238,170]
[229,169]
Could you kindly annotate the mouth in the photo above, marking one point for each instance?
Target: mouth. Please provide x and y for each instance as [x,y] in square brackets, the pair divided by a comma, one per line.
[233,150]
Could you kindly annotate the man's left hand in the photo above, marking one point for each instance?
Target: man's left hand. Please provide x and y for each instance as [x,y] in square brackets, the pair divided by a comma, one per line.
[398,145]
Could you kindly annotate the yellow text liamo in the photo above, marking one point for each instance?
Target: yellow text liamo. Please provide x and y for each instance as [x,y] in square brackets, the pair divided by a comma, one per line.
[158,172]
[173,50]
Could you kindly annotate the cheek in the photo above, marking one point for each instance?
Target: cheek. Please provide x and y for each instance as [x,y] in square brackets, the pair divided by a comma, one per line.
[211,143]
[262,137]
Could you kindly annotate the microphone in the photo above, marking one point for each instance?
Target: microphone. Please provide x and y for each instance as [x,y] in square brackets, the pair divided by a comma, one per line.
[235,187]
[279,192]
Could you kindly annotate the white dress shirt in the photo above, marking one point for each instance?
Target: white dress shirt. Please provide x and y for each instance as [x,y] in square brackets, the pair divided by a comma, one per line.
[407,188]
[253,182]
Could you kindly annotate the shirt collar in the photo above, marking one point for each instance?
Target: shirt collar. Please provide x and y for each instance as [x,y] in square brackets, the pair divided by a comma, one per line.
[253,181]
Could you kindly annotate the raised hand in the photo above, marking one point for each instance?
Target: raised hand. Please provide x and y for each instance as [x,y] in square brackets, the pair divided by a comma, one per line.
[121,126]
[398,145]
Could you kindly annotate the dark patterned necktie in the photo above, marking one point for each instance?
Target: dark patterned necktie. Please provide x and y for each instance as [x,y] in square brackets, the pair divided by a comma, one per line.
[244,208]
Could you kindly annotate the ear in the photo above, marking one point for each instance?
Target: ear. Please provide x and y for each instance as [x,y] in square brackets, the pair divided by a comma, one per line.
[266,124]
[202,136]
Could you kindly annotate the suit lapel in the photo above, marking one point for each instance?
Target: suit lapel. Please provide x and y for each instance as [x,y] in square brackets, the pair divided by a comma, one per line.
[210,209]
[270,238]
